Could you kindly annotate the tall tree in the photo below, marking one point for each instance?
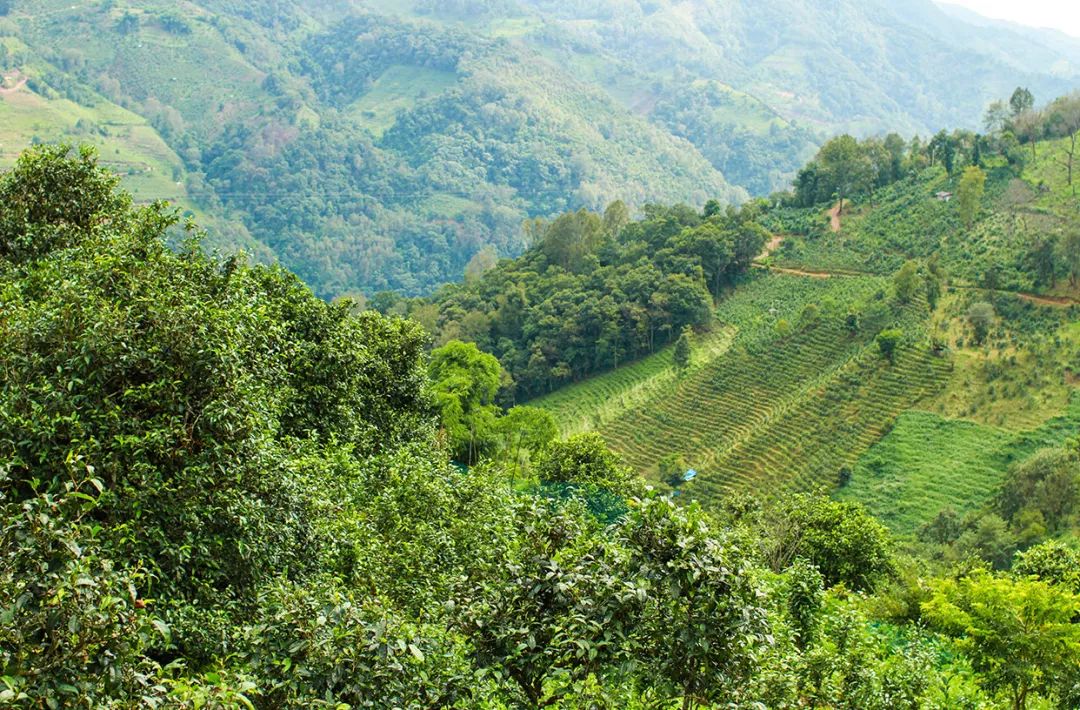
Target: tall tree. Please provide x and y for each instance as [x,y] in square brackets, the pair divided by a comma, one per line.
[714,247]
[896,147]
[981,316]
[1021,101]
[682,349]
[616,217]
[1020,635]
[1069,246]
[845,168]
[969,194]
[527,430]
[571,237]
[906,282]
[1028,127]
[997,117]
[464,382]
[1064,120]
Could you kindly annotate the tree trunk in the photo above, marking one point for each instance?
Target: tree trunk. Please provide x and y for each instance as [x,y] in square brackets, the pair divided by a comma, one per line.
[1020,698]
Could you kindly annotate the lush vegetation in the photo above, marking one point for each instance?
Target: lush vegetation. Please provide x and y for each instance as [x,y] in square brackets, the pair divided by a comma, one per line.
[800,394]
[994,210]
[382,145]
[221,491]
[594,291]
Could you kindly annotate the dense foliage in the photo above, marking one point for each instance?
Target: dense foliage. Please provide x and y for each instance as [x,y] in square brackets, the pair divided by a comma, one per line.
[594,291]
[370,146]
[218,490]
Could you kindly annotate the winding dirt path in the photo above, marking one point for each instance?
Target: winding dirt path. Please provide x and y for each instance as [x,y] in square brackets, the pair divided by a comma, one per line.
[834,218]
[804,273]
[777,240]
[1056,301]
[772,246]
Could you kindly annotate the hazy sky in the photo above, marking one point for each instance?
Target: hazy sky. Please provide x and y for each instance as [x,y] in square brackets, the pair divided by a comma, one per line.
[1062,15]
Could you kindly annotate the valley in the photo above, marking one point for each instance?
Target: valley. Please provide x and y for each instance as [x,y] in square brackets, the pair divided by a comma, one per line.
[455,123]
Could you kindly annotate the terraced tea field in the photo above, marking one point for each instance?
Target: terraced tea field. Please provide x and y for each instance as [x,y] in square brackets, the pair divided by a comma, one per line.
[793,398]
[599,400]
[928,463]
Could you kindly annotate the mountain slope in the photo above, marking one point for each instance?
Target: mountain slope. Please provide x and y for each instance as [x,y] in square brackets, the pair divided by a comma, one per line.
[370,144]
[803,395]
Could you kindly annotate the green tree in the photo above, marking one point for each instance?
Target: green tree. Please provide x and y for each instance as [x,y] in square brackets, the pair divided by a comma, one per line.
[553,609]
[804,592]
[1047,482]
[1069,247]
[1021,101]
[981,316]
[1052,562]
[128,23]
[175,400]
[586,460]
[53,199]
[942,147]
[845,167]
[571,237]
[969,194]
[616,217]
[713,247]
[464,381]
[888,341]
[672,468]
[527,430]
[683,349]
[482,262]
[841,539]
[1029,128]
[1063,119]
[935,278]
[996,118]
[1043,259]
[1020,635]
[907,281]
[703,629]
[1013,151]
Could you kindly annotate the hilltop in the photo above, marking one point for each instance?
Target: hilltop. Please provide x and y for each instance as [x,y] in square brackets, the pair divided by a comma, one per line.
[382,145]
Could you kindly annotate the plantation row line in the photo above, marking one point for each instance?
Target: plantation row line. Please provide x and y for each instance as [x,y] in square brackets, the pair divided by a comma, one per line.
[729,399]
[830,428]
[596,401]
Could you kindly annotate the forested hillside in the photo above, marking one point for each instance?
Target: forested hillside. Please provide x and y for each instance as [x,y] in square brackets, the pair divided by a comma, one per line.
[907,338]
[219,491]
[381,145]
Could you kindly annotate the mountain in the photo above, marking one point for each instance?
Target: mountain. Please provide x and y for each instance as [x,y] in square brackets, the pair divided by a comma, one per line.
[372,145]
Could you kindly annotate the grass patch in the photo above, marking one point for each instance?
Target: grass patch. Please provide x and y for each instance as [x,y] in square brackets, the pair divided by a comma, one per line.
[126,143]
[398,90]
[928,463]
